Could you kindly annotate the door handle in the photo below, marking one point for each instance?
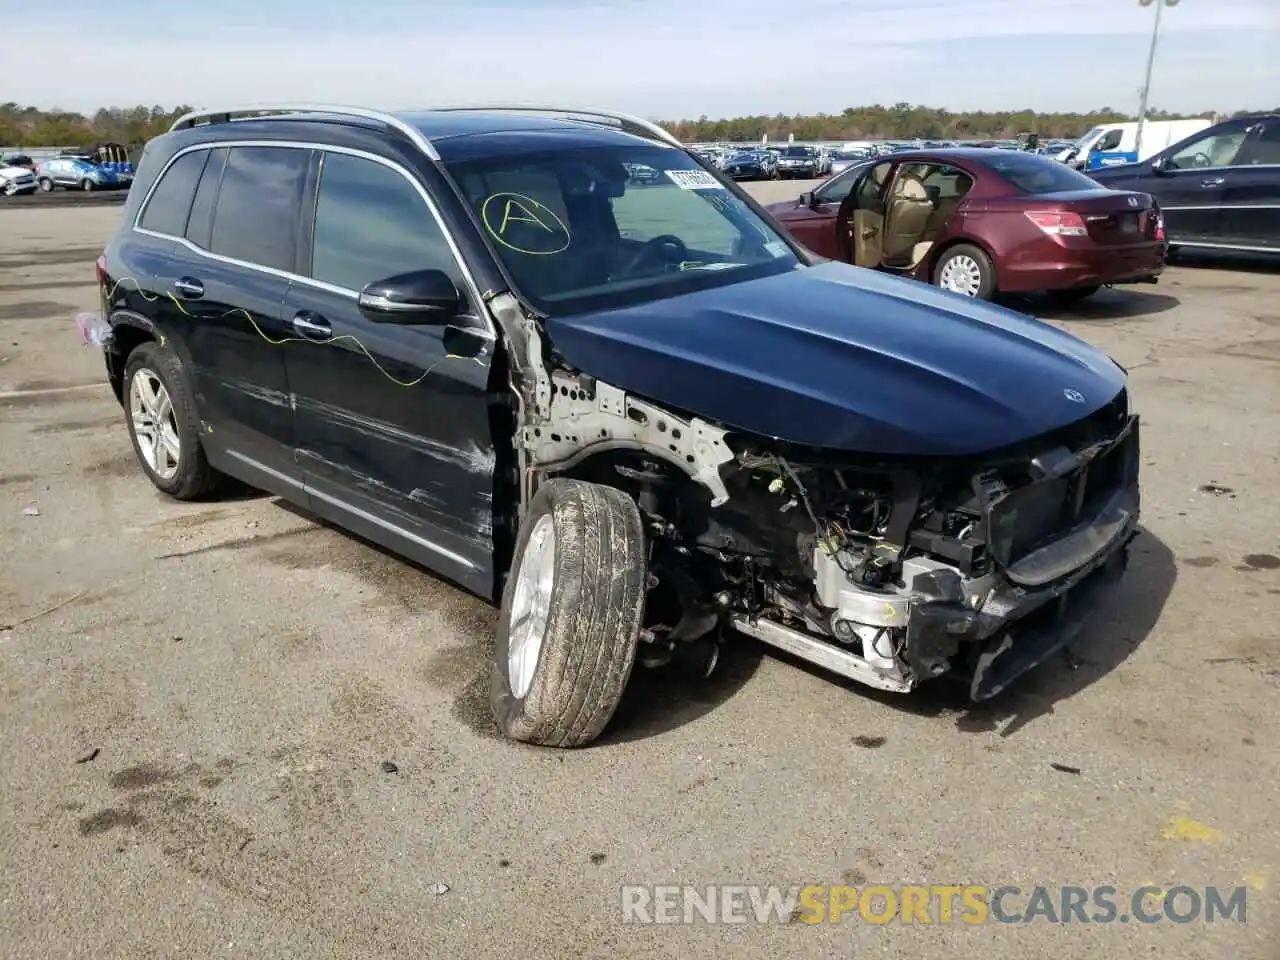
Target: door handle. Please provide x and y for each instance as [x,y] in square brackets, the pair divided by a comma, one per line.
[189,287]
[1213,182]
[311,325]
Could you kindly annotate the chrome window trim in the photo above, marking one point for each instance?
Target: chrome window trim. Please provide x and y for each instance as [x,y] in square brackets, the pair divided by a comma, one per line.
[490,330]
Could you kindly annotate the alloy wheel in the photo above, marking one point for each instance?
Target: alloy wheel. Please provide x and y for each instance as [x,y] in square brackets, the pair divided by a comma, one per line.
[152,415]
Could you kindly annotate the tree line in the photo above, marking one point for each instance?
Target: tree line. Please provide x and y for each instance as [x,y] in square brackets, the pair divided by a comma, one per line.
[906,121]
[27,126]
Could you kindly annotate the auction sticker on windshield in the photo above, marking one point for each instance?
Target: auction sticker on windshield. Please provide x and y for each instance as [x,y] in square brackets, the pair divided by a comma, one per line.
[694,180]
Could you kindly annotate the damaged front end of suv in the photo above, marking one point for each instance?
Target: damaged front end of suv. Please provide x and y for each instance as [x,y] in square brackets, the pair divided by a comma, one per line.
[885,565]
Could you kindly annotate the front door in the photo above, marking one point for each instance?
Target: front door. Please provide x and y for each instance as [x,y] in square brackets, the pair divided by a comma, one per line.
[1251,195]
[393,421]
[814,225]
[1190,187]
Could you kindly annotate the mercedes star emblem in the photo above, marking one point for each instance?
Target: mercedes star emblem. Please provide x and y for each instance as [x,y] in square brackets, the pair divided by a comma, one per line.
[1075,396]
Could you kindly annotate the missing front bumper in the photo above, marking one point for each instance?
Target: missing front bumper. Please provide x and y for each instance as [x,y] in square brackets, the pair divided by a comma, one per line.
[1031,641]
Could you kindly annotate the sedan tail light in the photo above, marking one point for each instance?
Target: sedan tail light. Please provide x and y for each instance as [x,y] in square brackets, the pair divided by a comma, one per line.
[1059,223]
[100,270]
[1160,226]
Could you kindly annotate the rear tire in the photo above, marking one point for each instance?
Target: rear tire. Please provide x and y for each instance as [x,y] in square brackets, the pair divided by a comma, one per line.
[576,594]
[161,410]
[1065,298]
[966,270]
[86,185]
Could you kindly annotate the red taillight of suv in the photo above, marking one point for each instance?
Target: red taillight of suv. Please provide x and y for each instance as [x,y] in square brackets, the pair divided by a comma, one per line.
[1160,227]
[1059,223]
[100,269]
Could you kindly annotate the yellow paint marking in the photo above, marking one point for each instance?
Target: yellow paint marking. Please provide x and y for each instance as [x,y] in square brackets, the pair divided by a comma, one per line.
[1180,827]
[1256,879]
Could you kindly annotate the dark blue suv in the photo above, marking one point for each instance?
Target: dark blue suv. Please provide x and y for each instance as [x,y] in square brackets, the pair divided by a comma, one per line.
[1218,189]
[636,415]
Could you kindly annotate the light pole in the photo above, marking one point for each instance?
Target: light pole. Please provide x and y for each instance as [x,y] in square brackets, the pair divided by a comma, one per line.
[1151,59]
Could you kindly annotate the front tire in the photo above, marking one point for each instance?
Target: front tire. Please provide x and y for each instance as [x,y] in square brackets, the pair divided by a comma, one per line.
[86,185]
[46,185]
[966,270]
[164,425]
[571,615]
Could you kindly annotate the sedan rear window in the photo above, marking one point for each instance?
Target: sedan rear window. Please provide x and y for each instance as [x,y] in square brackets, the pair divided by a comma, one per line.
[1034,174]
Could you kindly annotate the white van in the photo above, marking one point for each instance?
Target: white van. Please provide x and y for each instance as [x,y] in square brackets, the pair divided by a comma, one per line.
[1116,144]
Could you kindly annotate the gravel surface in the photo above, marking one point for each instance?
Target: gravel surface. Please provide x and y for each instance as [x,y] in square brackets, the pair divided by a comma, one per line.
[227,730]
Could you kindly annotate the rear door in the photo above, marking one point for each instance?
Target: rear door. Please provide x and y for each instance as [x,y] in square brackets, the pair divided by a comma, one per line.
[1251,194]
[225,287]
[393,421]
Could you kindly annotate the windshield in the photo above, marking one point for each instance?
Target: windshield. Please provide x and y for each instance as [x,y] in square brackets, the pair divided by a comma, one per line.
[1033,173]
[575,233]
[798,152]
[1088,136]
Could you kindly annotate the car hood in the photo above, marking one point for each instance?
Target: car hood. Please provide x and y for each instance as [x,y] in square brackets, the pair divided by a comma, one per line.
[10,173]
[843,358]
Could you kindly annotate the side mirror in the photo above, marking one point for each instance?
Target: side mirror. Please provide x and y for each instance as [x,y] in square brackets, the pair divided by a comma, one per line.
[807,199]
[420,297]
[1160,165]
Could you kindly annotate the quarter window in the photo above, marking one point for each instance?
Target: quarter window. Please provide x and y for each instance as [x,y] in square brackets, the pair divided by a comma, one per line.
[1264,147]
[257,216]
[170,201]
[371,223]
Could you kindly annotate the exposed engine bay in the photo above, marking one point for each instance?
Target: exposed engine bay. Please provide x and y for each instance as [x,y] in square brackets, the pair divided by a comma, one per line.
[888,572]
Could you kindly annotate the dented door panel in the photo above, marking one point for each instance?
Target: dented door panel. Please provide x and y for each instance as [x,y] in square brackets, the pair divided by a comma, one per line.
[392,423]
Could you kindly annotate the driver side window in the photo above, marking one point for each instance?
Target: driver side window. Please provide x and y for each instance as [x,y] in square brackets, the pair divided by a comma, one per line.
[1216,150]
[1109,141]
[871,186]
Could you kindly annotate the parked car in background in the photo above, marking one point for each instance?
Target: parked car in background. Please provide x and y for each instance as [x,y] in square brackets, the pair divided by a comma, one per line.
[77,172]
[844,159]
[1219,189]
[1117,144]
[113,157]
[753,165]
[16,179]
[797,161]
[980,222]
[642,173]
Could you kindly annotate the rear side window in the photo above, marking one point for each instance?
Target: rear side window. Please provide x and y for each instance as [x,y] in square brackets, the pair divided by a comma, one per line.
[371,223]
[257,216]
[170,201]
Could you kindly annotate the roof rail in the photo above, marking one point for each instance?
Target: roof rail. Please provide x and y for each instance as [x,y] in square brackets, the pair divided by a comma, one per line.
[304,112]
[630,124]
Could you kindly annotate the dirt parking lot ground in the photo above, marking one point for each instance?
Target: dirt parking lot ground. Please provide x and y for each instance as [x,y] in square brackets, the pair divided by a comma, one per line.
[196,702]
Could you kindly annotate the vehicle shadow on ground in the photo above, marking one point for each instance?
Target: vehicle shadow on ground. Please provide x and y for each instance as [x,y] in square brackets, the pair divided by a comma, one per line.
[661,699]
[1102,306]
[1112,636]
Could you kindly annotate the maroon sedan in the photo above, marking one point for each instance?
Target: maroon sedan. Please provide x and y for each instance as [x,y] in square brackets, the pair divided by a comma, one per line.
[981,222]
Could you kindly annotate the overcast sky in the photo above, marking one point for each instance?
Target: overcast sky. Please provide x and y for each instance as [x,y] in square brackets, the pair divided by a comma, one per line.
[667,59]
